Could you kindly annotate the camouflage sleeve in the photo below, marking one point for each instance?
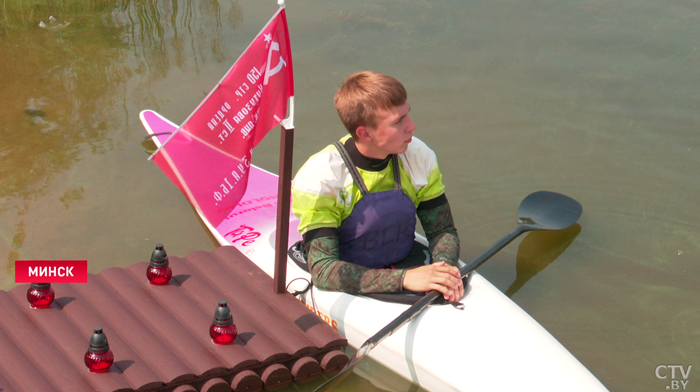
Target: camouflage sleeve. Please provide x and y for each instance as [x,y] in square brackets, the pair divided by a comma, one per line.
[442,236]
[328,272]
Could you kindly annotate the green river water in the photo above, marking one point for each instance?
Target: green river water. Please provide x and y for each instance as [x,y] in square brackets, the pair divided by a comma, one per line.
[597,99]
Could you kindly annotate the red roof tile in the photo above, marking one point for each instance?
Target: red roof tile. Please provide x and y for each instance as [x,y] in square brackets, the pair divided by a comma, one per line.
[160,334]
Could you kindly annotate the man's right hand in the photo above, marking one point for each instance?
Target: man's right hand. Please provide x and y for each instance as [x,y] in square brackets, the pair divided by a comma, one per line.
[438,276]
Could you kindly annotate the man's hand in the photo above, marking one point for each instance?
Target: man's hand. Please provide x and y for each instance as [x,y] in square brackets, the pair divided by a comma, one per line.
[439,276]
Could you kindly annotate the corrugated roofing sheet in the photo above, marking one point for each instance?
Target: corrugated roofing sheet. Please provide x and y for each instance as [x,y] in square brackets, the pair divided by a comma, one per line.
[160,334]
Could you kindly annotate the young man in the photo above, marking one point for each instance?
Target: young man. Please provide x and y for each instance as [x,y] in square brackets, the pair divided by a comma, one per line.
[357,200]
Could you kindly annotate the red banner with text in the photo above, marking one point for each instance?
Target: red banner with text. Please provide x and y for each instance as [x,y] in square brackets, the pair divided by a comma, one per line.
[209,156]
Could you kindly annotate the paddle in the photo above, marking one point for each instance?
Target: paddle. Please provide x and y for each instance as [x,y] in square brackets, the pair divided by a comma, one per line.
[538,211]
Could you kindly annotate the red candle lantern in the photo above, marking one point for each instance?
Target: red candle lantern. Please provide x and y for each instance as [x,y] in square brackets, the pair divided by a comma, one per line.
[98,358]
[159,272]
[222,330]
[40,295]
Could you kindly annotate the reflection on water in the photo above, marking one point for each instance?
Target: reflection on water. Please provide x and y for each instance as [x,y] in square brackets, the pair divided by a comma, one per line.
[63,84]
[67,74]
[538,250]
[164,34]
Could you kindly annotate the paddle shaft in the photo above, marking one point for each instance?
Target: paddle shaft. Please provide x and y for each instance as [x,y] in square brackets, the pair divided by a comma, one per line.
[410,313]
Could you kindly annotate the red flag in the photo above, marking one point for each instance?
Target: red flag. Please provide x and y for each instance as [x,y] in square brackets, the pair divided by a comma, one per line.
[209,156]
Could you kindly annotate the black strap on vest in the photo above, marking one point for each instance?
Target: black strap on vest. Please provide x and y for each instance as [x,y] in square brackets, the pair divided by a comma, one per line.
[356,174]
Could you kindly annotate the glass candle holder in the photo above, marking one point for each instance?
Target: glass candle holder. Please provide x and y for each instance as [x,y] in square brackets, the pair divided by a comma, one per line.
[99,363]
[40,295]
[159,272]
[223,334]
[99,357]
[222,330]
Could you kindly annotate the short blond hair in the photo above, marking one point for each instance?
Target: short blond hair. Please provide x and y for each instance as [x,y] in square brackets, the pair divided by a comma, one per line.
[362,94]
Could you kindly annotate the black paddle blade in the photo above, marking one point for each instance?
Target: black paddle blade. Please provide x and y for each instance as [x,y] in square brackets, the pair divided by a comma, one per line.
[545,210]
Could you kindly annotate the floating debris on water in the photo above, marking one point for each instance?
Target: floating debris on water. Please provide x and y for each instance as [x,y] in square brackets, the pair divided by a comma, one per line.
[35,113]
[38,115]
[53,24]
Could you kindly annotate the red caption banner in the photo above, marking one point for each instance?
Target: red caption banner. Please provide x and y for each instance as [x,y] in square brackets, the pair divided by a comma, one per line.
[51,271]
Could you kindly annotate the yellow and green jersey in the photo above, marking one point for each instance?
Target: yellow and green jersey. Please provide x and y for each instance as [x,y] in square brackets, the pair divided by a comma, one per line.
[324,194]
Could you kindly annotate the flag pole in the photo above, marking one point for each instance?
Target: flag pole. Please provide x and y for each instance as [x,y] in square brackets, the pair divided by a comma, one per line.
[284,190]
[283,209]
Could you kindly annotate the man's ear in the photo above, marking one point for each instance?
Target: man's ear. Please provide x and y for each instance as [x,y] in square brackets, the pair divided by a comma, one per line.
[363,134]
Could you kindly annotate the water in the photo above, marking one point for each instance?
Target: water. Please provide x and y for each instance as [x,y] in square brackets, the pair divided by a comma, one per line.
[594,99]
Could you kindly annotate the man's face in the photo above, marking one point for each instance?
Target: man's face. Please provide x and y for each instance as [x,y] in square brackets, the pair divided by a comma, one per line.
[392,133]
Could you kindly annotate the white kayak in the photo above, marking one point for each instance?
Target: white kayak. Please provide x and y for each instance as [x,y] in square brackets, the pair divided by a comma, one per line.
[490,344]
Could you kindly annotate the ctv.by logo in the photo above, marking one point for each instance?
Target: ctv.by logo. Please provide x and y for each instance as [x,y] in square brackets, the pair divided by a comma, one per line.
[662,373]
